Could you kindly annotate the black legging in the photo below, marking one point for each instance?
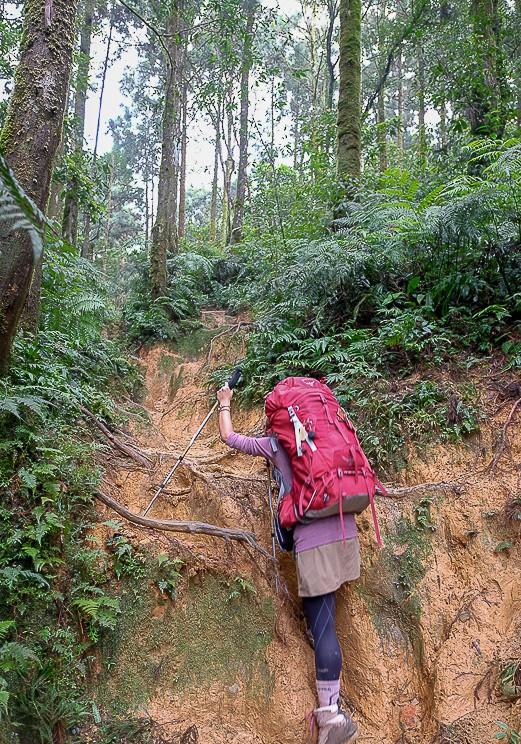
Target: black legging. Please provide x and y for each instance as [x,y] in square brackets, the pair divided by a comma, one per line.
[320,615]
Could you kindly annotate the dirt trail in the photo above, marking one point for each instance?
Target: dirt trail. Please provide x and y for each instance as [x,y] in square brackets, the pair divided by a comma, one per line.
[425,633]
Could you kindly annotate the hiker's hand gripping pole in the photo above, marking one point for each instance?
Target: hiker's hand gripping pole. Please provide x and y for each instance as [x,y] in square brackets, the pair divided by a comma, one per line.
[232,382]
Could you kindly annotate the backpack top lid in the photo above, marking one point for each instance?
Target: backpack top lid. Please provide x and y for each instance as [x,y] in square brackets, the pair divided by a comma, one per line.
[291,385]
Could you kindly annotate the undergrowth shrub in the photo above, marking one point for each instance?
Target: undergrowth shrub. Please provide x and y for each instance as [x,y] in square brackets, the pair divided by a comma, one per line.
[190,287]
[54,603]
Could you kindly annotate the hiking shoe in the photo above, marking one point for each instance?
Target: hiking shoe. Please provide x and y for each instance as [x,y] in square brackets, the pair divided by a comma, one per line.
[335,726]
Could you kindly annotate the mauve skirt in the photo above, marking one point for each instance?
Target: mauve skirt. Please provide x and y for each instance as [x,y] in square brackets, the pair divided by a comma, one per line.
[324,569]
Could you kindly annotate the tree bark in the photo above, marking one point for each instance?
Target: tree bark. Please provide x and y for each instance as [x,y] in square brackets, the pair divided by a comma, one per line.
[182,175]
[444,139]
[332,9]
[400,111]
[518,68]
[228,168]
[29,141]
[71,205]
[349,114]
[422,134]
[86,249]
[238,212]
[215,181]
[487,107]
[163,232]
[381,132]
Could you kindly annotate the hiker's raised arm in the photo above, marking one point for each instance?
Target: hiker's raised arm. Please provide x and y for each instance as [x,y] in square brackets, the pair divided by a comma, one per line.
[224,396]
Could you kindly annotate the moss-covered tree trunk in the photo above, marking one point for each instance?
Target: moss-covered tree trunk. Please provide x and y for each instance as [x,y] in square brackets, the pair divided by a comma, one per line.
[488,92]
[349,113]
[30,139]
[71,205]
[164,230]
[238,212]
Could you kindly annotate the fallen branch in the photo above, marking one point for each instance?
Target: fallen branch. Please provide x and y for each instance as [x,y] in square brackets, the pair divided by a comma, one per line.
[193,528]
[127,449]
[503,437]
[403,491]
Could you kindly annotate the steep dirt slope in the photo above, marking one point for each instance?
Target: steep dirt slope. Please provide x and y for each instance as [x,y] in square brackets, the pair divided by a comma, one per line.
[425,633]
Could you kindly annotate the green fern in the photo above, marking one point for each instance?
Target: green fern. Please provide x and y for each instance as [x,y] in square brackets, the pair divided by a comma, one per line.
[18,210]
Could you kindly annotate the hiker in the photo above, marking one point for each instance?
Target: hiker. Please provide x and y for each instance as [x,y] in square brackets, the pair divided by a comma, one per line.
[327,555]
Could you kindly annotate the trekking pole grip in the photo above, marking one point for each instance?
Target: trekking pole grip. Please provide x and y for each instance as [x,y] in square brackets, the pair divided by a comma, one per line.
[235,378]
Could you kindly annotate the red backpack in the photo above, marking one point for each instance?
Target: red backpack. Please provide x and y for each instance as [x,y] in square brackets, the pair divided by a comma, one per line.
[331,474]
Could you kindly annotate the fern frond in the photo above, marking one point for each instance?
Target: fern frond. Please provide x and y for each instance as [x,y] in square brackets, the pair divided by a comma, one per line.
[18,210]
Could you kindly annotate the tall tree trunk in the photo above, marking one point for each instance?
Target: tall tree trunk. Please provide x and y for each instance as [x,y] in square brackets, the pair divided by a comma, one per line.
[332,9]
[238,212]
[422,134]
[487,107]
[86,249]
[349,100]
[296,137]
[381,131]
[164,230]
[400,112]
[54,205]
[518,68]
[381,134]
[182,175]
[71,205]
[215,181]
[29,141]
[444,139]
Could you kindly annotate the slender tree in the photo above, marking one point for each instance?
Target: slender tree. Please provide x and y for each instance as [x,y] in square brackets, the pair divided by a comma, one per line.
[349,114]
[183,164]
[238,212]
[488,93]
[71,205]
[30,139]
[420,89]
[163,232]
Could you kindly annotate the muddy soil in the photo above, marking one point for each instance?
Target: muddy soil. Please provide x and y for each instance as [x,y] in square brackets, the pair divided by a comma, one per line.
[426,633]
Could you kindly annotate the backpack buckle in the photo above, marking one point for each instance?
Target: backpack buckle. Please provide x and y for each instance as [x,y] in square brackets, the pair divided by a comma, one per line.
[301,433]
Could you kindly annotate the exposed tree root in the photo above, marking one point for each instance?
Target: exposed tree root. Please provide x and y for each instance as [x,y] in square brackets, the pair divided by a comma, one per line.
[128,449]
[234,329]
[403,491]
[503,437]
[194,528]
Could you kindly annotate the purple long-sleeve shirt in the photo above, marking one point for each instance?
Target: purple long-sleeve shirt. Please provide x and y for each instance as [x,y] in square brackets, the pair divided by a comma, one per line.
[310,535]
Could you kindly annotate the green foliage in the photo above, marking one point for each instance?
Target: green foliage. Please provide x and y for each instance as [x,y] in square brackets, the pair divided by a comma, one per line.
[510,680]
[52,583]
[17,210]
[413,278]
[190,287]
[167,574]
[507,734]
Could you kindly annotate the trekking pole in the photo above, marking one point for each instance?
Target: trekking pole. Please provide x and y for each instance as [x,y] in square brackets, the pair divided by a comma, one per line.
[232,382]
[273,544]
